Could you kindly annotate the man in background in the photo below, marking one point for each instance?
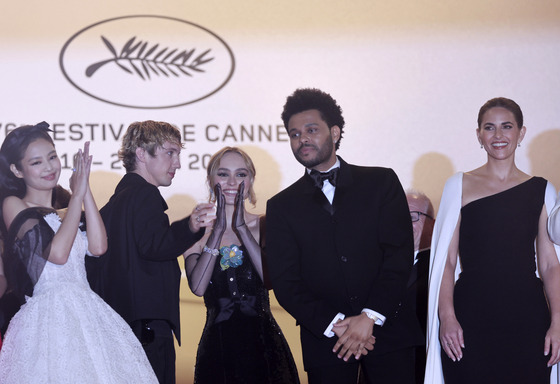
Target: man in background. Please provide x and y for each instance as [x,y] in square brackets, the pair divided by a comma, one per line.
[422,216]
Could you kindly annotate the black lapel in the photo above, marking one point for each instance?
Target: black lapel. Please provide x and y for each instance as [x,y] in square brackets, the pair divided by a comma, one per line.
[420,268]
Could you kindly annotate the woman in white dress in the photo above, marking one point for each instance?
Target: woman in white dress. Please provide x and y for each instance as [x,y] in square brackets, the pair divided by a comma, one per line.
[64,332]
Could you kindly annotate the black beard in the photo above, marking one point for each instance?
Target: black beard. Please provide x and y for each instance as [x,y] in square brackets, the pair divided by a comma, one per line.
[323,154]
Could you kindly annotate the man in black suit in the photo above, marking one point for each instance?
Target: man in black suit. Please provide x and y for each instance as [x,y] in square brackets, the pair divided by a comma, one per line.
[139,276]
[422,216]
[339,251]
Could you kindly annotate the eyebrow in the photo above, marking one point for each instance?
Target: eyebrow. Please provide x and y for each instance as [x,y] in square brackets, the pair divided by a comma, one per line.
[237,170]
[38,157]
[505,122]
[305,126]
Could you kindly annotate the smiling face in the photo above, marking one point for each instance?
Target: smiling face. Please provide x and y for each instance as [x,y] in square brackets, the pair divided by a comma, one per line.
[160,169]
[312,142]
[231,172]
[499,133]
[40,166]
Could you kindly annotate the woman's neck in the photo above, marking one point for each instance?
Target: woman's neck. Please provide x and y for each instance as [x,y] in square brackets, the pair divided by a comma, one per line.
[38,199]
[502,171]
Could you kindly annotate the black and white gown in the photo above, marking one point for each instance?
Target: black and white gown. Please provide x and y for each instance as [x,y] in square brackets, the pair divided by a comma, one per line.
[64,333]
[499,301]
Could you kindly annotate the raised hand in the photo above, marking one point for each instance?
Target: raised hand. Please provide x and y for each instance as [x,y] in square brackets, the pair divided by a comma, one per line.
[238,219]
[201,216]
[220,223]
[79,181]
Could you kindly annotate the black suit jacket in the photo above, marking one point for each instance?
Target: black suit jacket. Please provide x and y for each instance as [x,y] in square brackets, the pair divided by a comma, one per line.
[356,254]
[417,295]
[139,276]
[417,301]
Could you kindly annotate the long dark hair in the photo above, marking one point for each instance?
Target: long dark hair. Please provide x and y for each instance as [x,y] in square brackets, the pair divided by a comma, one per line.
[12,151]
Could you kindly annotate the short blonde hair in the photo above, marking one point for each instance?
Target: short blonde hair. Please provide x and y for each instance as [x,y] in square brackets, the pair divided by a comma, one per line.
[214,164]
[148,135]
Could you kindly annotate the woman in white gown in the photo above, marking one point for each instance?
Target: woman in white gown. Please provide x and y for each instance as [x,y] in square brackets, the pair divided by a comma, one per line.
[64,332]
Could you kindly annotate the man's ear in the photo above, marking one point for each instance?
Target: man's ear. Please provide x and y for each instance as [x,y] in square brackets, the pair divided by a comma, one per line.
[335,133]
[15,171]
[141,154]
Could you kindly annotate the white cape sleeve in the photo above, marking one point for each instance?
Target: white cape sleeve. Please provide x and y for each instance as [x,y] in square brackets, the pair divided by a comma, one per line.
[553,209]
[554,218]
[446,221]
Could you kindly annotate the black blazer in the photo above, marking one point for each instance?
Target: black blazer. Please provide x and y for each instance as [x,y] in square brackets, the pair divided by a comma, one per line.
[417,295]
[139,276]
[356,254]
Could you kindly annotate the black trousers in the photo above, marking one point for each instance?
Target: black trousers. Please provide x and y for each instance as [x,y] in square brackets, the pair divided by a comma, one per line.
[156,337]
[390,368]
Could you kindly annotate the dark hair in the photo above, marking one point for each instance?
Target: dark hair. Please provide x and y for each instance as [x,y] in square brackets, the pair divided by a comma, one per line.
[148,135]
[502,102]
[13,151]
[304,99]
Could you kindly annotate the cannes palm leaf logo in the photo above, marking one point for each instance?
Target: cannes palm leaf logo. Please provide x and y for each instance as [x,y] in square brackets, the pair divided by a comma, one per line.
[137,57]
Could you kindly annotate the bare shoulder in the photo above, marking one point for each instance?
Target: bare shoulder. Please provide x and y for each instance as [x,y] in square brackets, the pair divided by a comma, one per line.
[473,183]
[11,207]
[253,223]
[252,219]
[481,182]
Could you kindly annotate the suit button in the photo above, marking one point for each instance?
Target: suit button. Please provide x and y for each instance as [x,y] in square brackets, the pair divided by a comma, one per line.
[344,259]
[353,298]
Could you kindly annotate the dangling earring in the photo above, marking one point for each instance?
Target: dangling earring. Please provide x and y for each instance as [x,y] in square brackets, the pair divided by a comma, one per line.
[481,146]
[518,145]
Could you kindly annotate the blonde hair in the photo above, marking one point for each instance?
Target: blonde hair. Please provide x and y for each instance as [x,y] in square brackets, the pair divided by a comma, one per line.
[148,135]
[214,164]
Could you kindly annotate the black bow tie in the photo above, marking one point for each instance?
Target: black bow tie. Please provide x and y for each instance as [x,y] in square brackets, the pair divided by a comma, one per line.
[319,177]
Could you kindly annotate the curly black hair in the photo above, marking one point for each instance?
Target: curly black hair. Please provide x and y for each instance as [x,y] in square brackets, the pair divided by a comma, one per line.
[304,99]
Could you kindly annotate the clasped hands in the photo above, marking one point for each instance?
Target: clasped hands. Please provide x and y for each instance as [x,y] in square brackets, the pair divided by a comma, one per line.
[355,337]
[79,181]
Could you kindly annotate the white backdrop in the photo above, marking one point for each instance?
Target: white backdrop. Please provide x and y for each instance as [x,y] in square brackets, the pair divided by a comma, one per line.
[409,75]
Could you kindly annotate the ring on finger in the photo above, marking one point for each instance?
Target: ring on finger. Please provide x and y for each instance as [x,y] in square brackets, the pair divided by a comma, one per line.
[198,219]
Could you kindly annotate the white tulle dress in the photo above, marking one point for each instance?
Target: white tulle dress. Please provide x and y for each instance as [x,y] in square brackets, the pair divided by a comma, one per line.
[65,333]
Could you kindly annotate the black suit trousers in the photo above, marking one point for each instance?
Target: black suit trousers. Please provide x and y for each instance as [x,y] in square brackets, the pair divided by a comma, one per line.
[160,348]
[389,368]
